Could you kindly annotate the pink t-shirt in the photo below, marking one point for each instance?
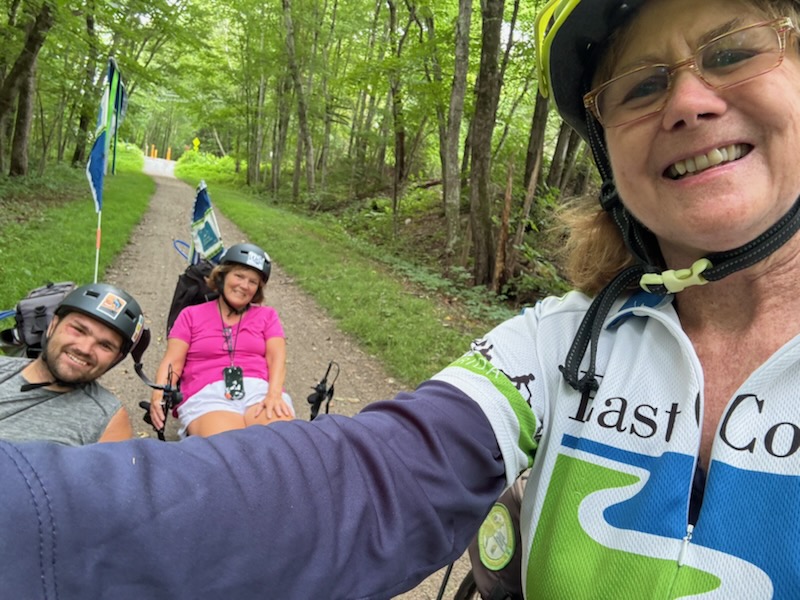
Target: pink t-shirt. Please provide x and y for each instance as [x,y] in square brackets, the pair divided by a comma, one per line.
[200,326]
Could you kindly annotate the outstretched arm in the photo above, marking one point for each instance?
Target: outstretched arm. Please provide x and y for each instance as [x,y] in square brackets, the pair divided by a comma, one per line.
[362,507]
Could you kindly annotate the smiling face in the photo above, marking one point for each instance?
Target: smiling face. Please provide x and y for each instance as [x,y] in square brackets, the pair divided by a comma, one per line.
[80,349]
[240,286]
[714,168]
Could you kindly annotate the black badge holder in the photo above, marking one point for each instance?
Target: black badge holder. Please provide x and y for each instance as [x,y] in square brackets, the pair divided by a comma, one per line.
[234,382]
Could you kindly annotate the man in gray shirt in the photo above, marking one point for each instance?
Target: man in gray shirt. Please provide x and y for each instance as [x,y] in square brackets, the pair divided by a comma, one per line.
[55,397]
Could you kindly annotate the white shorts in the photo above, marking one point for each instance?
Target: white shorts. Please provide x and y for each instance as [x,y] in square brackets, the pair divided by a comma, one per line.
[212,398]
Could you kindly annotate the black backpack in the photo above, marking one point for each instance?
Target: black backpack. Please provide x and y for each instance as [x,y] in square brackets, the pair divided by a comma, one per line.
[191,289]
[33,314]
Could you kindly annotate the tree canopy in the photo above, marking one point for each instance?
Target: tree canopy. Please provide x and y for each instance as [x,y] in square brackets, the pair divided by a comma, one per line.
[317,102]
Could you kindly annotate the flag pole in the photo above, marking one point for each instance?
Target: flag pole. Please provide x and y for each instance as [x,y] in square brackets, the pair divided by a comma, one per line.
[111,108]
[97,246]
[119,110]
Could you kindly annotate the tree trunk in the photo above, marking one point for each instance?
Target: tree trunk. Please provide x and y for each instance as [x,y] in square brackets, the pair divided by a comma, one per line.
[302,110]
[280,132]
[249,97]
[79,155]
[585,170]
[433,73]
[508,33]
[530,194]
[220,147]
[451,175]
[88,104]
[49,137]
[570,161]
[6,36]
[466,156]
[559,156]
[298,162]
[22,128]
[499,279]
[509,118]
[398,116]
[535,149]
[260,125]
[326,94]
[385,125]
[487,93]
[22,67]
[357,147]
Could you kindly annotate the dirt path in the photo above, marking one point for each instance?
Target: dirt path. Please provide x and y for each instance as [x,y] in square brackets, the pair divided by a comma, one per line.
[149,267]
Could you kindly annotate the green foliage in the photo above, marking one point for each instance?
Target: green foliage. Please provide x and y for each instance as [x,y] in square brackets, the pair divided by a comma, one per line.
[130,158]
[196,165]
[59,179]
[540,277]
[475,304]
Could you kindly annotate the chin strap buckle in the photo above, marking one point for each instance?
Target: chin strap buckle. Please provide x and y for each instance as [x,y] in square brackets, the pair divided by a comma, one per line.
[674,281]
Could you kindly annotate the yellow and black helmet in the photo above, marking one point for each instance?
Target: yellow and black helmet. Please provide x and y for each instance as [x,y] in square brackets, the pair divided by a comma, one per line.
[570,35]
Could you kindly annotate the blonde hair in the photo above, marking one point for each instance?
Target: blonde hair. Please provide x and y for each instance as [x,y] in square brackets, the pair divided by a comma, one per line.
[595,251]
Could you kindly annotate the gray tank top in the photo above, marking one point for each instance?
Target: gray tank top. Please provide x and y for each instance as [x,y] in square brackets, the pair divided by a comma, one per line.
[73,418]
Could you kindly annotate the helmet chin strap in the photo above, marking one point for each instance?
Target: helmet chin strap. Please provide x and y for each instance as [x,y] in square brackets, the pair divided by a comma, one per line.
[231,310]
[650,272]
[27,387]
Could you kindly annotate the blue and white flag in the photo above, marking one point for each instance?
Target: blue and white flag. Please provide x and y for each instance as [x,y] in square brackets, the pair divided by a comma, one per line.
[206,239]
[112,110]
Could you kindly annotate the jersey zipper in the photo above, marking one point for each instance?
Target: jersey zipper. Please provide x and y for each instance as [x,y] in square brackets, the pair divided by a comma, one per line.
[687,539]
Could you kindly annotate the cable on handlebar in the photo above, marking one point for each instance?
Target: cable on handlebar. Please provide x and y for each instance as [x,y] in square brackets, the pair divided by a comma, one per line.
[323,393]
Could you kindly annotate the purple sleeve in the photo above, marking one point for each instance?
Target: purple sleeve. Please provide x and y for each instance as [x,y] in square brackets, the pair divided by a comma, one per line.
[363,507]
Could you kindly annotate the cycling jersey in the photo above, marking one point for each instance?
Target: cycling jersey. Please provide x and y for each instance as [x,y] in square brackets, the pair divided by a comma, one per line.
[606,509]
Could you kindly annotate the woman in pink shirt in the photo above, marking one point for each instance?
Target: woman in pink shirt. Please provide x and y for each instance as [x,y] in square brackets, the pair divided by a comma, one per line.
[229,353]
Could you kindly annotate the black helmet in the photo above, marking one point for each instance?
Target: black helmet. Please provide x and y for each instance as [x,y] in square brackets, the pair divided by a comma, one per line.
[248,255]
[111,306]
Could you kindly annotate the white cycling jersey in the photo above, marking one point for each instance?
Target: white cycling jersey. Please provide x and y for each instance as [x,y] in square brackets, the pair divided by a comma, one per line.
[605,513]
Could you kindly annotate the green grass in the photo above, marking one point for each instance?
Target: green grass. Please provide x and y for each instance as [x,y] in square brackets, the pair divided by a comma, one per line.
[49,226]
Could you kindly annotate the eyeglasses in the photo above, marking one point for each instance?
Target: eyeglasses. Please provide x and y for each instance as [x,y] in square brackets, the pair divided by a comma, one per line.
[727,60]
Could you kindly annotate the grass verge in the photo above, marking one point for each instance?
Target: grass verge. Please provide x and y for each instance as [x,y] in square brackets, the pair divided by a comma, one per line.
[49,227]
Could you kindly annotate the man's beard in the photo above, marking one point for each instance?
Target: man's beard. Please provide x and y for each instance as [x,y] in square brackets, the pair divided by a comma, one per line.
[50,359]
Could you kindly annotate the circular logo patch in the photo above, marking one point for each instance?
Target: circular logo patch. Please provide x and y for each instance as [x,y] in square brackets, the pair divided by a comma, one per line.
[496,538]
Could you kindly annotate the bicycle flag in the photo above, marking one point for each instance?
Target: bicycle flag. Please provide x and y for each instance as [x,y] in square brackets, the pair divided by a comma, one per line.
[206,238]
[112,110]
